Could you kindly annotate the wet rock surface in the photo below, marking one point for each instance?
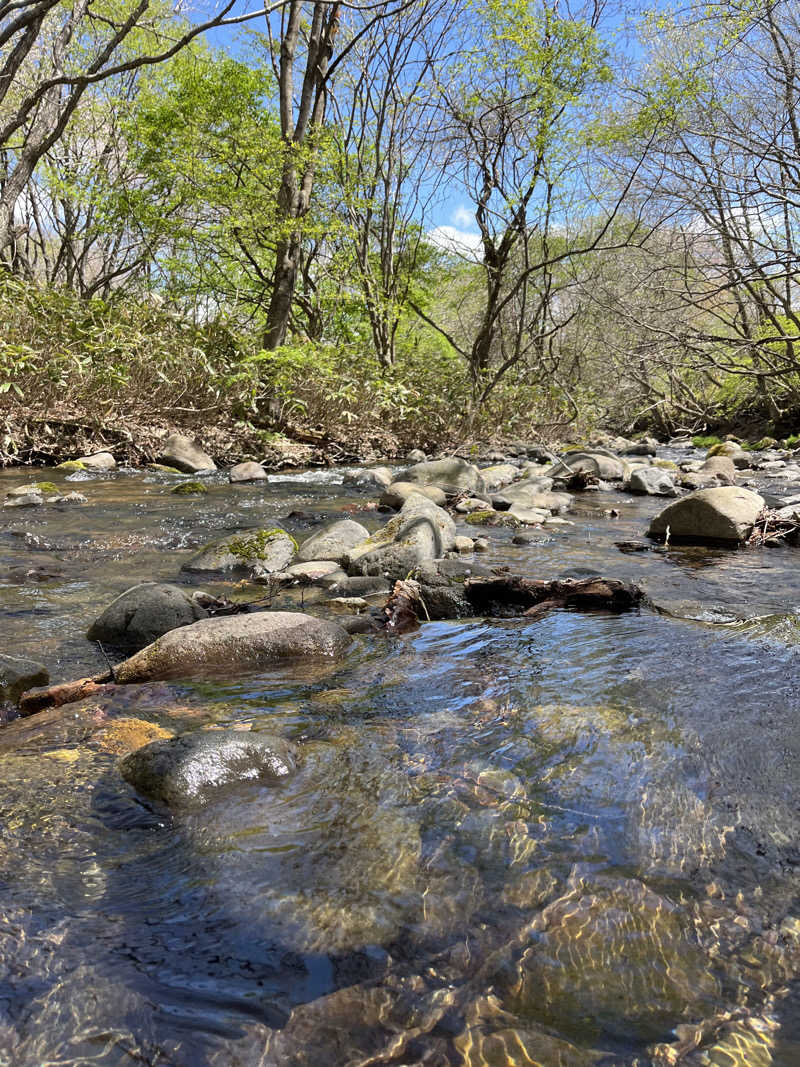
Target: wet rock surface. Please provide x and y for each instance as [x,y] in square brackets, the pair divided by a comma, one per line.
[185,772]
[146,611]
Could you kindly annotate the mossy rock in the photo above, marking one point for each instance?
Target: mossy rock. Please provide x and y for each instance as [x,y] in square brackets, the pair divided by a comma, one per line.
[47,487]
[665,464]
[490,517]
[253,552]
[190,489]
[162,468]
[70,466]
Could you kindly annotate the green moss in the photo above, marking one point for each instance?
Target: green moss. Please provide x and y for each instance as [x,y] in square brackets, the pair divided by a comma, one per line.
[254,546]
[46,487]
[792,441]
[665,464]
[71,465]
[706,442]
[190,489]
[162,468]
[487,517]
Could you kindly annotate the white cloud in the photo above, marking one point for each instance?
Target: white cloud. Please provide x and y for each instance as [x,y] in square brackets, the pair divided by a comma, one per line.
[455,241]
[462,218]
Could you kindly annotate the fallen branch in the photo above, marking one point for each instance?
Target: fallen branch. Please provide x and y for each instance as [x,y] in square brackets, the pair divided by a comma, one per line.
[53,696]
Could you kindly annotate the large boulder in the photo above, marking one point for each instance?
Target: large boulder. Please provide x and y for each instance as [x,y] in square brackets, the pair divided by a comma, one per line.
[250,471]
[146,611]
[396,494]
[185,772]
[234,643]
[651,481]
[727,513]
[421,531]
[453,475]
[734,451]
[185,455]
[18,675]
[333,542]
[646,447]
[252,553]
[608,468]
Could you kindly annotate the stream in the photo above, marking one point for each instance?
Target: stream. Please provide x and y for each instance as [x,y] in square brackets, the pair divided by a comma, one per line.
[562,841]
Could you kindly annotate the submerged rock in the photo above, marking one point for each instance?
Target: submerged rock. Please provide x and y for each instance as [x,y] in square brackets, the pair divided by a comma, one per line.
[609,468]
[333,542]
[18,674]
[251,552]
[234,643]
[186,455]
[726,513]
[144,612]
[185,772]
[190,489]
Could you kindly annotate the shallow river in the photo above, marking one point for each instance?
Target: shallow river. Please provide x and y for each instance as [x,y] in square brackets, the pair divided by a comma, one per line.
[565,841]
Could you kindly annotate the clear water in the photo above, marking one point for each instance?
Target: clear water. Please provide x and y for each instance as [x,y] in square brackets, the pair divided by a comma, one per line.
[566,841]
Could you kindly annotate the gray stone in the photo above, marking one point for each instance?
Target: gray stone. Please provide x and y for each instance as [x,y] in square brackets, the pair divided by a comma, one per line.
[526,495]
[416,455]
[146,611]
[528,516]
[717,470]
[251,552]
[17,675]
[234,643]
[395,495]
[333,542]
[452,475]
[247,472]
[651,481]
[185,455]
[420,531]
[646,447]
[187,772]
[99,461]
[463,544]
[726,513]
[471,503]
[313,571]
[32,499]
[370,478]
[496,477]
[360,585]
[609,468]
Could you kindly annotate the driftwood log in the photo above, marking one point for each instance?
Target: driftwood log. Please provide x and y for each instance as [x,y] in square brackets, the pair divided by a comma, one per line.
[509,596]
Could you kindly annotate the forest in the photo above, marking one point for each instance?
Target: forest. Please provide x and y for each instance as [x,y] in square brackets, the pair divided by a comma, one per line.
[410,224]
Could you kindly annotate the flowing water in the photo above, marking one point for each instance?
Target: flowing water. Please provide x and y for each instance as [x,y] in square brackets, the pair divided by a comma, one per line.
[564,841]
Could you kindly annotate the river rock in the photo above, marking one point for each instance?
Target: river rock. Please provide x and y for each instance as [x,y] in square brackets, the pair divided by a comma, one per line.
[416,455]
[186,772]
[451,475]
[717,470]
[251,552]
[396,494]
[18,675]
[234,643]
[651,481]
[370,478]
[24,497]
[726,513]
[313,571]
[420,531]
[98,461]
[247,472]
[145,612]
[528,516]
[333,542]
[497,476]
[646,447]
[609,468]
[527,495]
[185,455]
[360,585]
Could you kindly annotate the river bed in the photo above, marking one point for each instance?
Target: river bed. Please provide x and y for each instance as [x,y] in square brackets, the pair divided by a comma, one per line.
[572,840]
